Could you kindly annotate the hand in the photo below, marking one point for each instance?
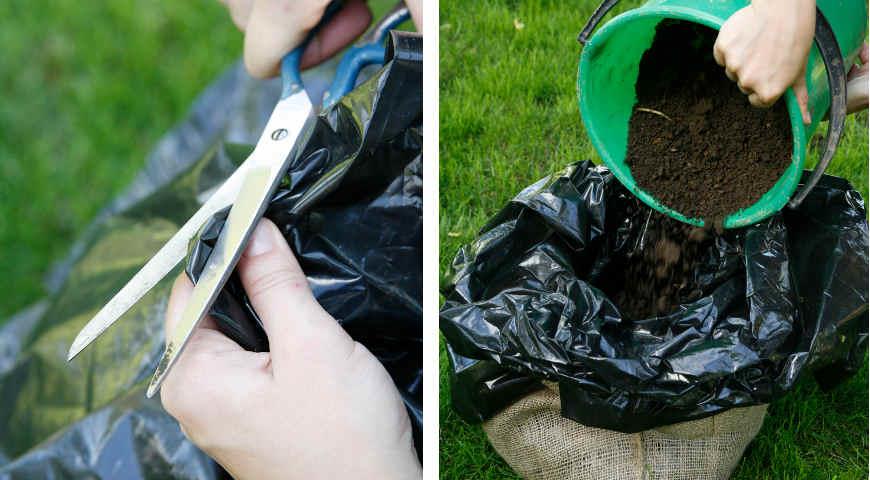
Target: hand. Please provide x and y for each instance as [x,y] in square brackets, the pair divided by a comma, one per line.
[275,27]
[764,48]
[856,83]
[317,406]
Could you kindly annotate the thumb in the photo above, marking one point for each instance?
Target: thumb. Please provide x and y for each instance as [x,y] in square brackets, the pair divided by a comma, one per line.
[803,97]
[297,326]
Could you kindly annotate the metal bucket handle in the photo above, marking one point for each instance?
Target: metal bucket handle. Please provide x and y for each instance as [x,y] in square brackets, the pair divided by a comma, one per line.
[829,49]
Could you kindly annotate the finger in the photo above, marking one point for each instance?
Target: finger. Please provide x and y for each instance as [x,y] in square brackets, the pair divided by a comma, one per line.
[178,298]
[803,97]
[860,68]
[240,10]
[275,28]
[272,33]
[760,100]
[206,337]
[724,43]
[347,25]
[278,290]
[745,89]
[729,54]
[209,354]
[858,71]
[857,94]
[731,75]
[755,100]
[733,68]
[415,8]
[719,52]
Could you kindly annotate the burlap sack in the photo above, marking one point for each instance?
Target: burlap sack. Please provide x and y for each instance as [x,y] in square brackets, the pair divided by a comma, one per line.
[540,444]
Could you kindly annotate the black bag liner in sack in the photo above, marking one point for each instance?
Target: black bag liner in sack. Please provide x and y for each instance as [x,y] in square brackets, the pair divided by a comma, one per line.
[89,418]
[781,297]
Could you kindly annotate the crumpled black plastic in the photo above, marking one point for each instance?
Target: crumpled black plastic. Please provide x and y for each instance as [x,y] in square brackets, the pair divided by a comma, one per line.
[89,418]
[781,298]
[350,207]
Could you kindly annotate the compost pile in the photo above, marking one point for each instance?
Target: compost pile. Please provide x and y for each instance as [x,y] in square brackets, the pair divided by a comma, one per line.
[694,142]
[659,274]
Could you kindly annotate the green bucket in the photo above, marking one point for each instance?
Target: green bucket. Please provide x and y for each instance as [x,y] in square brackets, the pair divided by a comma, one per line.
[608,72]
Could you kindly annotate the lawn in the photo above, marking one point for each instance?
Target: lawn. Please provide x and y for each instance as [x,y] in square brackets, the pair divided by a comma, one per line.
[508,116]
[88,88]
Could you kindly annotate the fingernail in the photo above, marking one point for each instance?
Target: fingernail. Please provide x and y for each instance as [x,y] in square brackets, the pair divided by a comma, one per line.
[262,240]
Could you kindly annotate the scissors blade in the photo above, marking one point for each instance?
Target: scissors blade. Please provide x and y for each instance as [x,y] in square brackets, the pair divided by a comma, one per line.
[158,266]
[175,249]
[268,163]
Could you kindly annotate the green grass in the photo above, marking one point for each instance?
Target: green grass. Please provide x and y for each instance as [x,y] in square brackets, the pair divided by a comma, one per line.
[508,116]
[87,89]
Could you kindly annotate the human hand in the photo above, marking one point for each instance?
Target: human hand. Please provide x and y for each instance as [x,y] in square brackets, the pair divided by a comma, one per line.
[764,48]
[275,27]
[317,406]
[856,83]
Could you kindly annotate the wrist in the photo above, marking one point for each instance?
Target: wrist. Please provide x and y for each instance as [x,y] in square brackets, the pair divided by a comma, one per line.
[784,6]
[802,12]
[795,20]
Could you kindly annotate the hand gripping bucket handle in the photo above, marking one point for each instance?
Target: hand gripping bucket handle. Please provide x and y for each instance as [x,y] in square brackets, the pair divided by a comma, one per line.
[829,49]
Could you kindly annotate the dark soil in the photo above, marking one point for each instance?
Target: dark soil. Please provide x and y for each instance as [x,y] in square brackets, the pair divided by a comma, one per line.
[659,274]
[694,142]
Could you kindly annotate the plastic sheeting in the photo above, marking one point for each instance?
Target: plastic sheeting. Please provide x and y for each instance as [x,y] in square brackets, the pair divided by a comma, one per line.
[780,298]
[89,418]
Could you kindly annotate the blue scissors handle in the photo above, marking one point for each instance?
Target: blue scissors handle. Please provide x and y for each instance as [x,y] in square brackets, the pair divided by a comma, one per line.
[291,71]
[368,51]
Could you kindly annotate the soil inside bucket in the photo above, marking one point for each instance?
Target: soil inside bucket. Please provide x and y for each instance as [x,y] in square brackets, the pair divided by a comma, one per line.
[694,142]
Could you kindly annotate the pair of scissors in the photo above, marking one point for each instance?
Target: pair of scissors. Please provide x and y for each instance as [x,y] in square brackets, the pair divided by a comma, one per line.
[247,191]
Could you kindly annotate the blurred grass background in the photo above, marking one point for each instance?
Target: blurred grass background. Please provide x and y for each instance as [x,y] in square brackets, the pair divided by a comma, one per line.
[87,89]
[508,116]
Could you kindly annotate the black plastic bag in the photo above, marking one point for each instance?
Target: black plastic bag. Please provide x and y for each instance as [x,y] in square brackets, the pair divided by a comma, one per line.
[782,297]
[90,418]
[351,210]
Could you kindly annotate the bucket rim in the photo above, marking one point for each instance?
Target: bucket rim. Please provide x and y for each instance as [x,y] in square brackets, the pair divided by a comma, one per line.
[765,206]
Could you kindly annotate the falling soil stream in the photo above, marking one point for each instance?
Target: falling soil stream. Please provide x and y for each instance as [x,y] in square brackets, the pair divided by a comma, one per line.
[659,274]
[698,146]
